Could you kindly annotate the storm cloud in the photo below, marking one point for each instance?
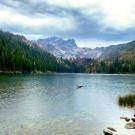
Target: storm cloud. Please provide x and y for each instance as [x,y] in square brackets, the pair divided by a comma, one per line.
[90,23]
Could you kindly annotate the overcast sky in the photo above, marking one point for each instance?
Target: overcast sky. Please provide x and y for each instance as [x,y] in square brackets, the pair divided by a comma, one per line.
[91,23]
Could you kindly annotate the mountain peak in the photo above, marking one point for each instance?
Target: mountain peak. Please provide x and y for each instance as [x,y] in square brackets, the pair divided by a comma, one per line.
[59,42]
[68,49]
[72,41]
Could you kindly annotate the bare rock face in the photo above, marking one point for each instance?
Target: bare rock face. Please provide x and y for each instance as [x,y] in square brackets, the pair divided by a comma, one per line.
[130,125]
[67,48]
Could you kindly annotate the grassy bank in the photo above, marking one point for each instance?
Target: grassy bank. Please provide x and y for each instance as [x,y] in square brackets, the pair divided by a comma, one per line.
[127,100]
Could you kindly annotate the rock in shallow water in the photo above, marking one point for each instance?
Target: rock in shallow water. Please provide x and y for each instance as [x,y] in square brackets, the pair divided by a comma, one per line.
[112,129]
[107,131]
[133,119]
[125,118]
[130,125]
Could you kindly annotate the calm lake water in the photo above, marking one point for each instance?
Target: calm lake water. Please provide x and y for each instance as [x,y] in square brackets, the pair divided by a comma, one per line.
[52,104]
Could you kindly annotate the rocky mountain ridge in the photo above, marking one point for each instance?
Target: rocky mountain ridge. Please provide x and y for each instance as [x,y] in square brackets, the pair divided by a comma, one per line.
[69,49]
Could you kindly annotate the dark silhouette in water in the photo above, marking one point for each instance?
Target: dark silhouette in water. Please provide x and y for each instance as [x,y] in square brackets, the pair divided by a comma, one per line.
[79,86]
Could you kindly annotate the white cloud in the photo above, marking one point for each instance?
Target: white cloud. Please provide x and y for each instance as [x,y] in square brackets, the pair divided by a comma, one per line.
[9,17]
[31,36]
[117,14]
[71,3]
[93,43]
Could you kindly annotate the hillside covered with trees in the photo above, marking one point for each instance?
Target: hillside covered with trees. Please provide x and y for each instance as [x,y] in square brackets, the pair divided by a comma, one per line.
[110,66]
[19,54]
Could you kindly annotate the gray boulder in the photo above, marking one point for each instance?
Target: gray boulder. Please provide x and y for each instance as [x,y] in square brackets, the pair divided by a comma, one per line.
[130,125]
[107,131]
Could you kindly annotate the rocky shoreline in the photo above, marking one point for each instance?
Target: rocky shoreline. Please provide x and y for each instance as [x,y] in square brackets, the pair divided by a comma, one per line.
[129,125]
[26,72]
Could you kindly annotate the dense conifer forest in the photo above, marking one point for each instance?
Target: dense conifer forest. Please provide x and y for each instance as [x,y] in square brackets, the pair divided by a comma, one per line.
[19,54]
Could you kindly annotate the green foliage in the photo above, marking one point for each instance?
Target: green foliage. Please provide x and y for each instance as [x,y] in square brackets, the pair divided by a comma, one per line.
[112,66]
[19,54]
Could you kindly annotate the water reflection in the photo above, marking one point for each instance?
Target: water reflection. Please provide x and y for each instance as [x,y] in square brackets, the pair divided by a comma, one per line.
[52,105]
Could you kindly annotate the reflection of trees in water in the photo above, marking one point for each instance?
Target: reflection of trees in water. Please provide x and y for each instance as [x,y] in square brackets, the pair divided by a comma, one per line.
[32,99]
[56,90]
[9,85]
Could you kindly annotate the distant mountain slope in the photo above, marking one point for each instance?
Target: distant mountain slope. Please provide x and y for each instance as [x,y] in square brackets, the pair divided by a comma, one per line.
[123,51]
[19,54]
[68,49]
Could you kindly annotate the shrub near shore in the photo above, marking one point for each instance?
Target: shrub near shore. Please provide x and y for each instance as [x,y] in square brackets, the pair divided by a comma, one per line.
[127,100]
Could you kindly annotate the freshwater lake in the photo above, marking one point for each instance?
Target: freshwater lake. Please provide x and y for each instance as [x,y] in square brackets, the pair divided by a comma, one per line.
[52,104]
